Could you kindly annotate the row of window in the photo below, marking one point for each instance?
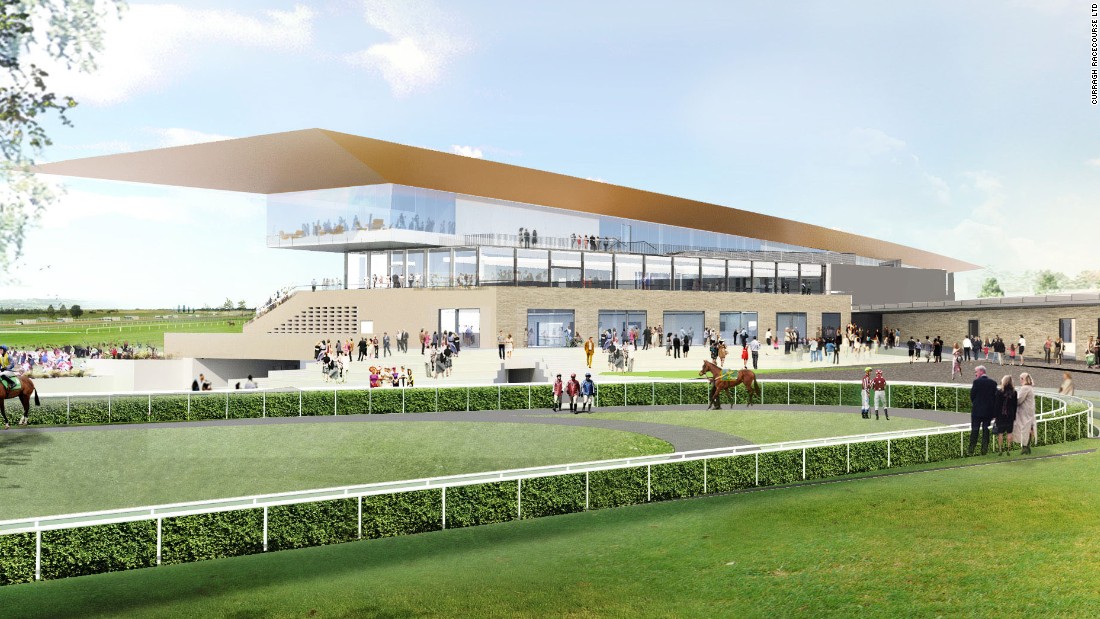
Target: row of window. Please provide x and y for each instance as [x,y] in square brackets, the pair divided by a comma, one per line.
[508,266]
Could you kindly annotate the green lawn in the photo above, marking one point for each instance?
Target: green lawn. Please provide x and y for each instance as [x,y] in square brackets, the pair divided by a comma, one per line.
[47,473]
[763,426]
[91,330]
[694,374]
[1016,539]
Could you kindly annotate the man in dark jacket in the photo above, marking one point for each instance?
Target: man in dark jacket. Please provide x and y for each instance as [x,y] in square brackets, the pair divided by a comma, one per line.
[983,400]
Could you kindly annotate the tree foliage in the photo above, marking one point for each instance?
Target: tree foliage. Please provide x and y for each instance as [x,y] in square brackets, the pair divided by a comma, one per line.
[75,311]
[1047,282]
[990,288]
[69,31]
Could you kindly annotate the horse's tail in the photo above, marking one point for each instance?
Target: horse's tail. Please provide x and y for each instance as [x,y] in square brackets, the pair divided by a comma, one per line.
[36,402]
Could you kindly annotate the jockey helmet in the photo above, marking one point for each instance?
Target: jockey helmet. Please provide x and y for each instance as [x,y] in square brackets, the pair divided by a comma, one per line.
[588,375]
[867,369]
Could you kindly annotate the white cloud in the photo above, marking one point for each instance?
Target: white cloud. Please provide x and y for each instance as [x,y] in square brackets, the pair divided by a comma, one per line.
[152,45]
[170,206]
[422,44]
[468,151]
[875,141]
[1094,162]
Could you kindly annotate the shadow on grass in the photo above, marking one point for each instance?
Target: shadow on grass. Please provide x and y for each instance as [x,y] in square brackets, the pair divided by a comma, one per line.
[17,447]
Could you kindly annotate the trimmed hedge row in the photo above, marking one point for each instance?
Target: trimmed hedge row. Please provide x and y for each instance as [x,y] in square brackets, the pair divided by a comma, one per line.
[251,404]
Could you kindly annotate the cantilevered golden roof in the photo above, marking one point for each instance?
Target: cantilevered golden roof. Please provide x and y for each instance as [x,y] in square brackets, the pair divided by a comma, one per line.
[320,159]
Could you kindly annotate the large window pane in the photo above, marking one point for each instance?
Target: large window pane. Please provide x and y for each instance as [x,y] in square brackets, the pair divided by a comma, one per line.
[497,266]
[788,277]
[565,269]
[380,269]
[548,327]
[619,324]
[628,272]
[531,265]
[658,273]
[686,325]
[813,279]
[414,266]
[686,273]
[713,274]
[731,324]
[763,276]
[597,270]
[397,269]
[469,327]
[740,275]
[465,265]
[439,268]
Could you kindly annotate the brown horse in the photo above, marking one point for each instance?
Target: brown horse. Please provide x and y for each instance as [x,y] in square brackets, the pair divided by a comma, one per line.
[24,392]
[722,383]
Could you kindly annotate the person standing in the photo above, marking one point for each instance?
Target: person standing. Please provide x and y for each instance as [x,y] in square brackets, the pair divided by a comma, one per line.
[722,352]
[754,348]
[500,344]
[1059,350]
[386,352]
[362,347]
[966,348]
[744,356]
[1006,416]
[1047,346]
[865,394]
[508,344]
[983,401]
[912,348]
[1067,384]
[675,346]
[588,392]
[1024,425]
[573,388]
[1020,348]
[559,387]
[956,361]
[878,386]
[589,350]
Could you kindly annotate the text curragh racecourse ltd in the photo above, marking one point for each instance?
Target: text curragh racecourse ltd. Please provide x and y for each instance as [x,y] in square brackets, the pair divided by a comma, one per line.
[1095,14]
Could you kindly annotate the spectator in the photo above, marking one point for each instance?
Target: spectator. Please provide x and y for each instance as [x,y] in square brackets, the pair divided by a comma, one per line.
[1067,384]
[1006,416]
[1024,424]
[983,401]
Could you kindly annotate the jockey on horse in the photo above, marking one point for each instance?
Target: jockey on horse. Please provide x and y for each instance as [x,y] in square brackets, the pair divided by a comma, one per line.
[13,385]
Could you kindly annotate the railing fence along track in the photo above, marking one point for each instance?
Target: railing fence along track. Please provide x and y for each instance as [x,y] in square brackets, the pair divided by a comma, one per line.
[795,456]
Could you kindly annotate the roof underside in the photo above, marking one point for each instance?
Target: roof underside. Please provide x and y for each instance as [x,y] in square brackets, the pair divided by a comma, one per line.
[312,159]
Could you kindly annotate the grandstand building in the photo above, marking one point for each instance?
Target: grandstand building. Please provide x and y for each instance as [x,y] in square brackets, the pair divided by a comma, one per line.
[437,241]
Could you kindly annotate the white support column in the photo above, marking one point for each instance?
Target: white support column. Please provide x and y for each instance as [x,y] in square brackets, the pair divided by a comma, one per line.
[38,555]
[887,453]
[519,499]
[444,507]
[757,469]
[586,491]
[265,528]
[803,462]
[159,539]
[360,516]
[648,483]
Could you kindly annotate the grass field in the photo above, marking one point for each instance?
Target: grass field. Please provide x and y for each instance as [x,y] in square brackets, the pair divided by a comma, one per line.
[48,473]
[134,326]
[1001,540]
[774,426]
[45,473]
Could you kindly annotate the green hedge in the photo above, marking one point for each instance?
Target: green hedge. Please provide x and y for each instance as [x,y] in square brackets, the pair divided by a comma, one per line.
[695,392]
[246,405]
[17,558]
[944,446]
[469,506]
[318,403]
[483,398]
[550,496]
[542,396]
[667,394]
[98,549]
[385,401]
[780,467]
[611,394]
[731,473]
[869,456]
[353,402]
[452,399]
[676,480]
[169,408]
[828,461]
[907,451]
[90,410]
[186,539]
[404,513]
[419,400]
[639,394]
[514,398]
[616,487]
[282,403]
[312,524]
[54,411]
[207,406]
[130,409]
[802,393]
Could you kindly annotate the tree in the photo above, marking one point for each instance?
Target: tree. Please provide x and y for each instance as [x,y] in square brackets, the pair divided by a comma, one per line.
[241,305]
[228,305]
[62,310]
[51,311]
[1049,281]
[75,311]
[990,288]
[69,31]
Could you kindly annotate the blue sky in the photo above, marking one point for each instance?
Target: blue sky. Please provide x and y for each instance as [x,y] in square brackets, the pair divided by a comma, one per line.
[962,128]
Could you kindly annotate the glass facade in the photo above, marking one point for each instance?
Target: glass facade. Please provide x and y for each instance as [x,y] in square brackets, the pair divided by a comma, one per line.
[620,322]
[509,266]
[465,322]
[731,323]
[550,327]
[684,324]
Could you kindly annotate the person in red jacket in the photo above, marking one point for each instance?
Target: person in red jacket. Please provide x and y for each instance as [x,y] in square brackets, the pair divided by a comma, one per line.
[573,388]
[878,386]
[558,388]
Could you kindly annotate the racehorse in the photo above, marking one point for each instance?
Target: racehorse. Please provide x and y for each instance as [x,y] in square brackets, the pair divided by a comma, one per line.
[24,392]
[723,380]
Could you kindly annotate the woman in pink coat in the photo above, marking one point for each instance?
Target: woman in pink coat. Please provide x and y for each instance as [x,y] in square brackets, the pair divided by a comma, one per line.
[1024,426]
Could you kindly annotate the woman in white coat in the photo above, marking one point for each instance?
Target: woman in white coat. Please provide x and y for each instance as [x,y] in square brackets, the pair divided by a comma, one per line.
[1024,426]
